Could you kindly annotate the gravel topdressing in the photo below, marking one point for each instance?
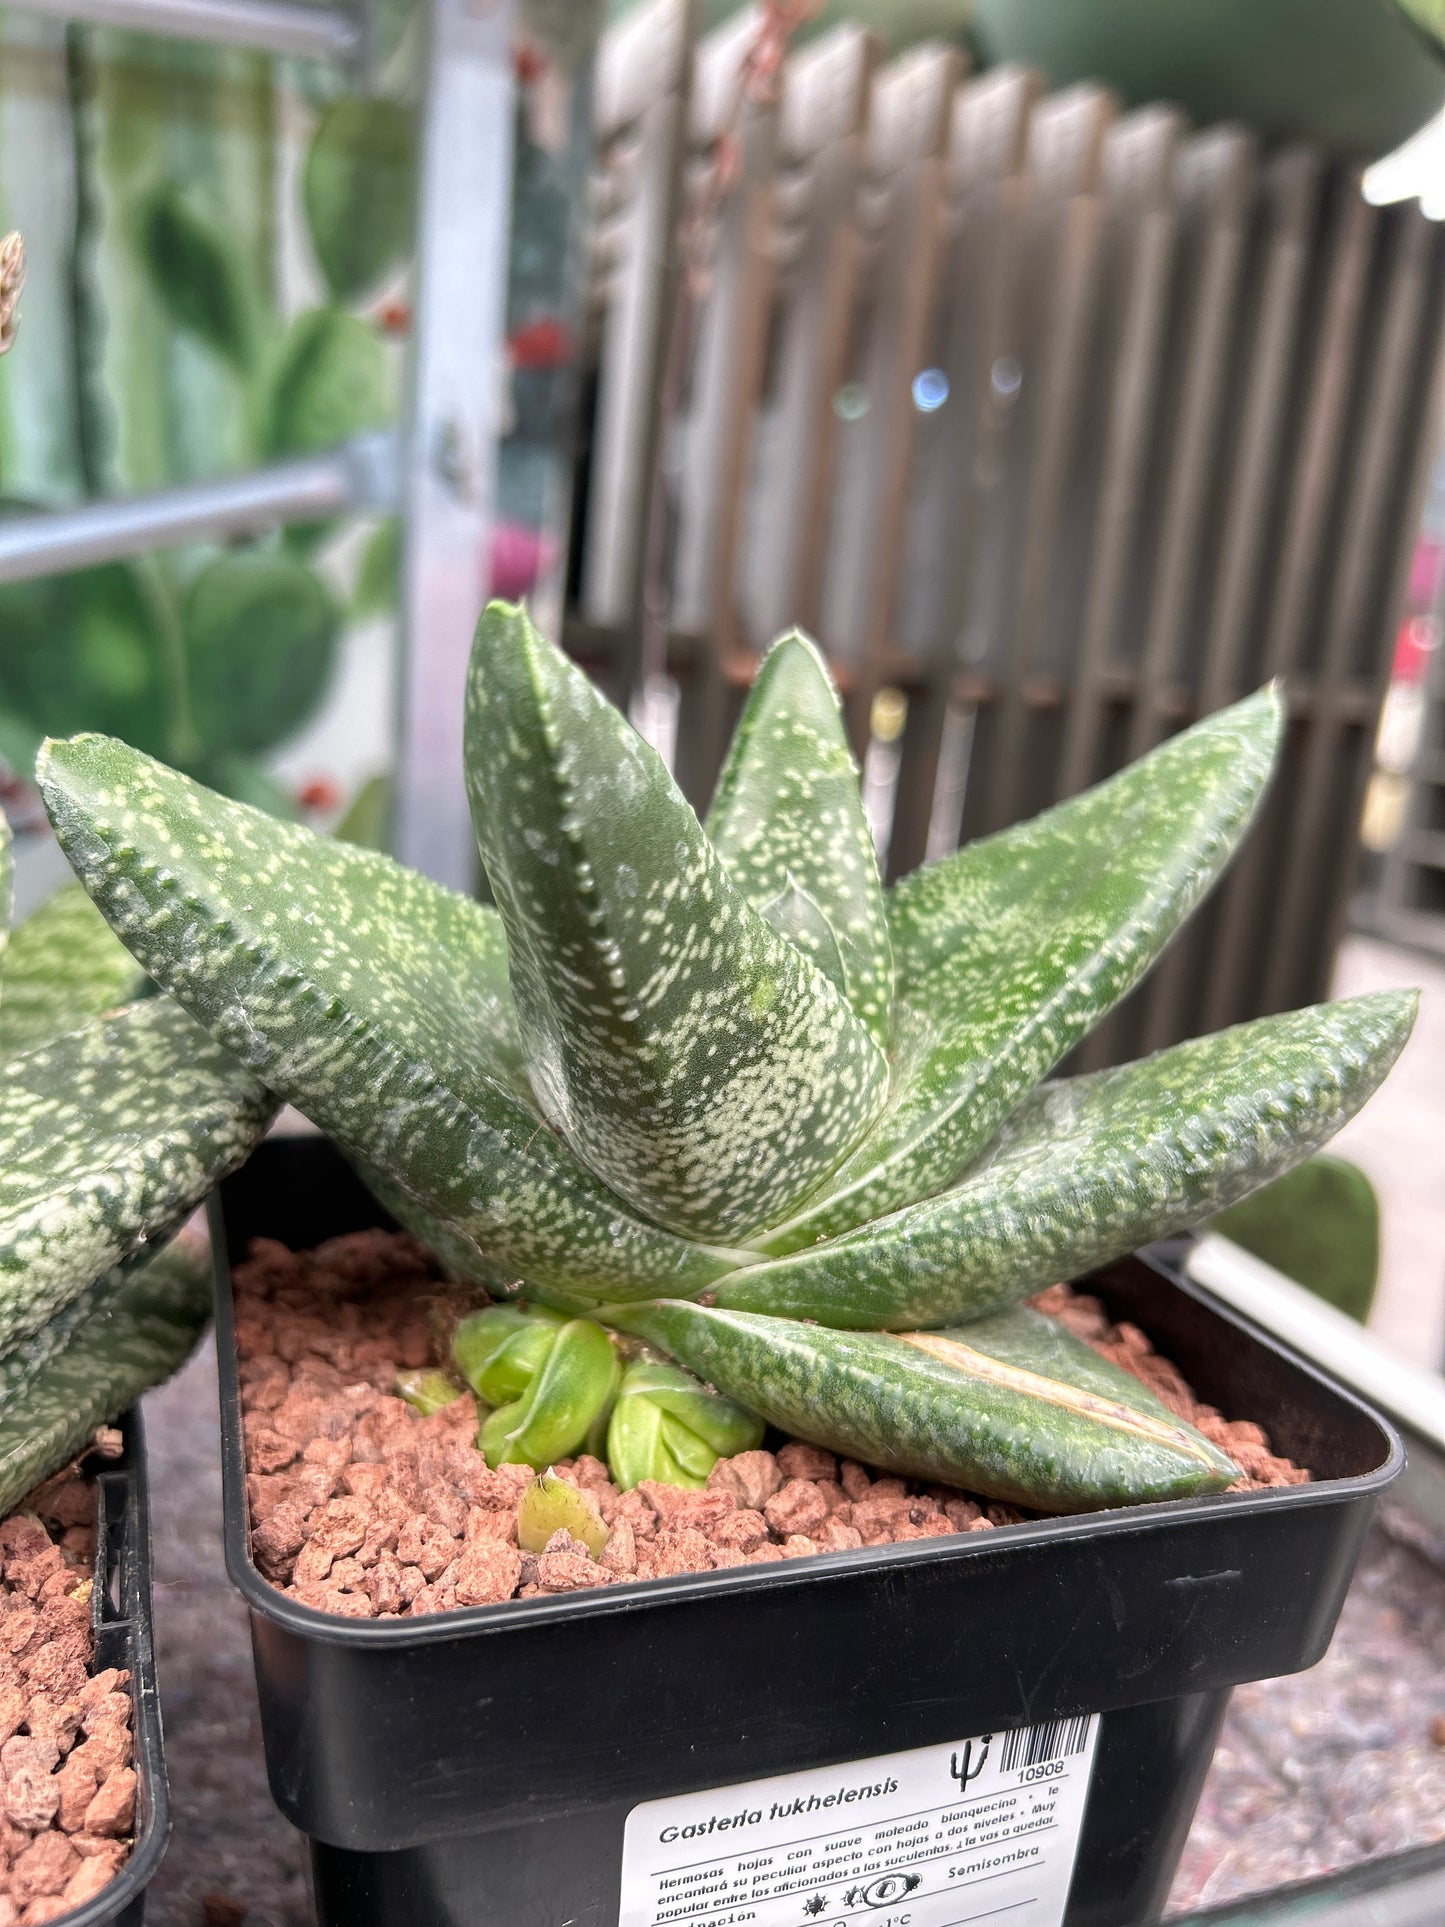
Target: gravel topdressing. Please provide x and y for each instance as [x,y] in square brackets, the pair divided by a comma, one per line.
[67,1786]
[362,1507]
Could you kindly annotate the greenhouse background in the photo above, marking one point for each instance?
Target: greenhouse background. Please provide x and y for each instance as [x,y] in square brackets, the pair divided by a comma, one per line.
[1065,381]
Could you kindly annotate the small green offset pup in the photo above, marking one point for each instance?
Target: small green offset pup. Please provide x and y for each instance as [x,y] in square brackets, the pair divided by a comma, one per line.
[711,1086]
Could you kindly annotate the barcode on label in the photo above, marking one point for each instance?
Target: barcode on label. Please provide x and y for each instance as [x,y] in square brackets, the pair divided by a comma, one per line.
[1050,1740]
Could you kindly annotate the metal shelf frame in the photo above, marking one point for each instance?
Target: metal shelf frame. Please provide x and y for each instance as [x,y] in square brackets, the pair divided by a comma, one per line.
[439,471]
[360,475]
[270,26]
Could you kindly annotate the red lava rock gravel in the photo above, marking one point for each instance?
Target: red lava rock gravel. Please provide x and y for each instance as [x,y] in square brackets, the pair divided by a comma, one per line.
[360,1506]
[67,1787]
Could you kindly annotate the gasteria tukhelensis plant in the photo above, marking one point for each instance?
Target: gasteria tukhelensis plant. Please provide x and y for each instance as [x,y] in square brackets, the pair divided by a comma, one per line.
[714,1089]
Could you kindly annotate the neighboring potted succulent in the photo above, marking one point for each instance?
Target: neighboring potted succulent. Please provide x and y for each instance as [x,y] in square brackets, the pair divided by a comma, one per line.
[715,1091]
[116,1117]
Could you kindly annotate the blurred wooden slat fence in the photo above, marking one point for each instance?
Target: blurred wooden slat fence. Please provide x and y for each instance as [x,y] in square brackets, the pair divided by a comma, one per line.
[1407,904]
[1179,398]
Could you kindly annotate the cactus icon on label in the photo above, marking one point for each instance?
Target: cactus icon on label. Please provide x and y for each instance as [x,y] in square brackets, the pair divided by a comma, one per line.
[964,1768]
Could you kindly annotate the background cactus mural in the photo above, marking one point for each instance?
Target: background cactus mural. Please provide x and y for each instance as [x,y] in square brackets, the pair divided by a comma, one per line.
[183,361]
[174,359]
[228,285]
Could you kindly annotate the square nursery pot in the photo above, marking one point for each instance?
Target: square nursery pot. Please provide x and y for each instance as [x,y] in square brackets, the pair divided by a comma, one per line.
[484,1767]
[120,1618]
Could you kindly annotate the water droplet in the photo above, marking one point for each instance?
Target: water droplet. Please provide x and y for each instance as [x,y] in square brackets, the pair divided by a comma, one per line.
[930,390]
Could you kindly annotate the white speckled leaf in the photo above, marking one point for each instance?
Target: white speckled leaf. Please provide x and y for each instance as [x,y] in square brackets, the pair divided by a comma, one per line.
[787,818]
[458,1254]
[63,966]
[135,1335]
[374,1000]
[1011,1407]
[794,915]
[1091,1167]
[27,1356]
[1011,950]
[110,1137]
[689,1054]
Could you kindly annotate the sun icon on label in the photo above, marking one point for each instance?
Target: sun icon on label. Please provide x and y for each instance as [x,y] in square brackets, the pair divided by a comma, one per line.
[817,1905]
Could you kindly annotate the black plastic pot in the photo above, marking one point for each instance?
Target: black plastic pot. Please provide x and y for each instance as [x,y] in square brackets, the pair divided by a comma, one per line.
[476,1769]
[121,1622]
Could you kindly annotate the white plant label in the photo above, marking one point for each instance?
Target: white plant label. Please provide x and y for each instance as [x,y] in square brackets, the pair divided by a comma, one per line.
[984,1829]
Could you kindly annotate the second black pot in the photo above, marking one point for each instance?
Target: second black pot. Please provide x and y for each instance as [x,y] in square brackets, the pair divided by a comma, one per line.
[120,1617]
[480,1768]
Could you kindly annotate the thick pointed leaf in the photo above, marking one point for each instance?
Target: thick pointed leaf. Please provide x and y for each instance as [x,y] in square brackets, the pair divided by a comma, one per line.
[1091,1167]
[794,915]
[1012,1407]
[64,966]
[25,1359]
[691,1056]
[1010,951]
[134,1339]
[110,1137]
[456,1252]
[374,1000]
[788,817]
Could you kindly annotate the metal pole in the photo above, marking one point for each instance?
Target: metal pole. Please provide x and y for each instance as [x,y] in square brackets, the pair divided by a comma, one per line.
[450,477]
[355,476]
[276,26]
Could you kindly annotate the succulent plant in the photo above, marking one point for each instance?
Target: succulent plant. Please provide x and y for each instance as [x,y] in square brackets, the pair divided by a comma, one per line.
[63,966]
[427,1390]
[558,1387]
[669,1426]
[114,1123]
[714,1088]
[142,1327]
[550,1504]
